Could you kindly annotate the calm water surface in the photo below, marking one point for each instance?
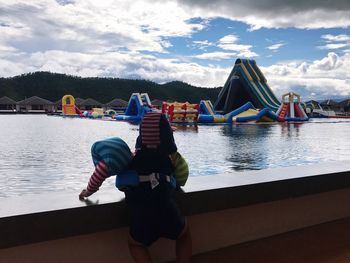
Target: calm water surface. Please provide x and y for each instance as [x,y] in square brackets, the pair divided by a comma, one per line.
[42,154]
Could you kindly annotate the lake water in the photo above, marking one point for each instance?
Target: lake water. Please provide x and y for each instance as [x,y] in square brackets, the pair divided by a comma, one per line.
[41,154]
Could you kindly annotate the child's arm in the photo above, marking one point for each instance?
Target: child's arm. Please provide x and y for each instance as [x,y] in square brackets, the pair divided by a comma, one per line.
[96,180]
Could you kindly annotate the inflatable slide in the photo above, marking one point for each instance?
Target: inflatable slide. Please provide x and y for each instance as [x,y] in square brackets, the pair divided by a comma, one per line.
[291,109]
[246,83]
[69,108]
[138,105]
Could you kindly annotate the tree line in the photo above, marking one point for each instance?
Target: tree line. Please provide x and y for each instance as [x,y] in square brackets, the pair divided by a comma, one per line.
[52,86]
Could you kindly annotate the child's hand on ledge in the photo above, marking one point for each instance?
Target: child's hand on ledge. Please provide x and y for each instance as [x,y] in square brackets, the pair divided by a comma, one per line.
[84,193]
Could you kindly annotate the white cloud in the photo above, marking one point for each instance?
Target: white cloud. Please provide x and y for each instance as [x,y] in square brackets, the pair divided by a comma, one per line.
[6,49]
[234,47]
[216,55]
[336,38]
[229,42]
[109,38]
[331,62]
[202,44]
[327,77]
[333,41]
[275,13]
[247,54]
[84,25]
[333,46]
[275,46]
[113,64]
[99,38]
[229,39]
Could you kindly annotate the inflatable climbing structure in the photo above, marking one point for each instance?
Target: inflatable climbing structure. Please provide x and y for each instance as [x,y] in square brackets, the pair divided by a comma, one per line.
[181,113]
[246,83]
[291,109]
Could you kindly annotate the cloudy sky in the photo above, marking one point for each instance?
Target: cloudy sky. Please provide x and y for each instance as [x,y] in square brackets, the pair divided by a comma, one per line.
[301,46]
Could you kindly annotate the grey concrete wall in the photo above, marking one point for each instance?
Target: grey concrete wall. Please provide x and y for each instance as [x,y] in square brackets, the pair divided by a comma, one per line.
[222,211]
[210,231]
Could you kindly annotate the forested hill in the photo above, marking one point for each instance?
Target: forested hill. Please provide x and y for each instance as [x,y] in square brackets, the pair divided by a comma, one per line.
[53,86]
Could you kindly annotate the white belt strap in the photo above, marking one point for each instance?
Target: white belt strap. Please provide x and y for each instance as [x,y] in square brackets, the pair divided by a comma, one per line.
[152,176]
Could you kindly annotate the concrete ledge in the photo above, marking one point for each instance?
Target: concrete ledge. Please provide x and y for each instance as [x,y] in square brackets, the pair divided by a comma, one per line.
[223,211]
[210,231]
[324,243]
[233,226]
[241,189]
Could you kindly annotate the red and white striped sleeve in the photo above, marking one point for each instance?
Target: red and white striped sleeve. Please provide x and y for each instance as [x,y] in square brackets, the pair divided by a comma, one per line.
[97,177]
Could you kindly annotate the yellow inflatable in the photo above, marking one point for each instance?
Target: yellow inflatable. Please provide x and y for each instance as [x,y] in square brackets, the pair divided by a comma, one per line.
[181,169]
[68,105]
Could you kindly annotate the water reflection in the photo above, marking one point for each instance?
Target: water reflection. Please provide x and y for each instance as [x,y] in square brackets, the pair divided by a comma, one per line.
[185,128]
[291,129]
[248,146]
[42,154]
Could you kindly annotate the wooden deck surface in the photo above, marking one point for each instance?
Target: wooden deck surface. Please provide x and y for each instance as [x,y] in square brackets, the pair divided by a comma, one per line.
[325,243]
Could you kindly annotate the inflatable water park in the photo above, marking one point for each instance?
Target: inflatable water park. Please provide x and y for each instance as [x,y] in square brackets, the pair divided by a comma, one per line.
[245,97]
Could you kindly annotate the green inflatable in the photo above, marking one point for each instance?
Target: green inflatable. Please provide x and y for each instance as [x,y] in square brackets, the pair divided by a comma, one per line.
[181,169]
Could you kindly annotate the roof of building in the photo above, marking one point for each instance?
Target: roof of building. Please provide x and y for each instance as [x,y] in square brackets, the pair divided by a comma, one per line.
[79,101]
[90,102]
[58,102]
[7,101]
[157,102]
[35,100]
[117,103]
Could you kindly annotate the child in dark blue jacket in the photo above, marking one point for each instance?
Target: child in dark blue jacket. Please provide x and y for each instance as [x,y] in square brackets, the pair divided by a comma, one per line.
[152,207]
[153,211]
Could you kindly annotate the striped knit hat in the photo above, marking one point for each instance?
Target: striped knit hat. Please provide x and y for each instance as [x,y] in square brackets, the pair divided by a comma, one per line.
[150,129]
[114,152]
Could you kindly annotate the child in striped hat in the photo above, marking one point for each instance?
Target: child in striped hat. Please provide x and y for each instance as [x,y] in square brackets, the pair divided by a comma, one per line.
[153,210]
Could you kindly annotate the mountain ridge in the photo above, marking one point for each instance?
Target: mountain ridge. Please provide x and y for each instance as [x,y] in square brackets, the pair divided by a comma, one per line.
[53,86]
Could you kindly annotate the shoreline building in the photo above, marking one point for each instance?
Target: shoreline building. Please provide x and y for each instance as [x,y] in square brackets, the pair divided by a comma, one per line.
[7,105]
[35,104]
